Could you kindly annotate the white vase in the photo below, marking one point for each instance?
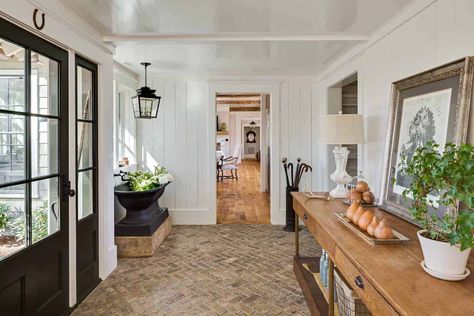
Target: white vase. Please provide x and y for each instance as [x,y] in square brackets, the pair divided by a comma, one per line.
[442,257]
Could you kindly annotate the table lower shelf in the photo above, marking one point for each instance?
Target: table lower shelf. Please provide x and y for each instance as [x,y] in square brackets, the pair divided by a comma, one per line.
[315,293]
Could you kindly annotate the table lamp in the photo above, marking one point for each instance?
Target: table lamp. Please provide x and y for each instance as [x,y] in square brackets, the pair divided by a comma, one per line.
[339,129]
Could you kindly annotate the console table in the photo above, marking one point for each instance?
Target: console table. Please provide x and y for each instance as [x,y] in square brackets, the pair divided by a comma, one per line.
[390,280]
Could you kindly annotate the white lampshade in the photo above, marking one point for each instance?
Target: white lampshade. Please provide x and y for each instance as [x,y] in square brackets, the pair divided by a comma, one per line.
[341,129]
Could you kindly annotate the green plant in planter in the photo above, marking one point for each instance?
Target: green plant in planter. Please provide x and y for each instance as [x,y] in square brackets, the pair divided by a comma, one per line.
[146,180]
[448,175]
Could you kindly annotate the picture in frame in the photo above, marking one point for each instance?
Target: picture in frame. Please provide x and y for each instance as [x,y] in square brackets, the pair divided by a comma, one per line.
[432,106]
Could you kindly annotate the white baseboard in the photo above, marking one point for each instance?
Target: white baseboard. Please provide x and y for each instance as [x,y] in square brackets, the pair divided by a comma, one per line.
[206,217]
[107,265]
[192,217]
[279,218]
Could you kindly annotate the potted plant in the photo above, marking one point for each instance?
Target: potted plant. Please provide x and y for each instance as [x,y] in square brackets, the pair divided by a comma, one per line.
[139,194]
[443,179]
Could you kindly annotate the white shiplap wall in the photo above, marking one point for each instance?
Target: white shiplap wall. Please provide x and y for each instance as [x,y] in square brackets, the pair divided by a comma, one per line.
[295,129]
[179,139]
[429,34]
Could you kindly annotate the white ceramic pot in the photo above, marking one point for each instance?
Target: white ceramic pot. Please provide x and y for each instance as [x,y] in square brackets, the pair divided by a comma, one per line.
[442,257]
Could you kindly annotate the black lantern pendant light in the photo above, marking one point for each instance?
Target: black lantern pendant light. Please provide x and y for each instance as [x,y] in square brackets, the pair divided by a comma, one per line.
[252,125]
[146,103]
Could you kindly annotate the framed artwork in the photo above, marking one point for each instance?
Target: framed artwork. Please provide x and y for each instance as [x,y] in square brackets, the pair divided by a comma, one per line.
[432,106]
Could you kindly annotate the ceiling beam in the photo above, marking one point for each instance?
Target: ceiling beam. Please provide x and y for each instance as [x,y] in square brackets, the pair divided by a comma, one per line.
[233,37]
[240,95]
[240,102]
[256,100]
[244,109]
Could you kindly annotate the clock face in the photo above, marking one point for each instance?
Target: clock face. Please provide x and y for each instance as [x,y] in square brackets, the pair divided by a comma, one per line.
[251,137]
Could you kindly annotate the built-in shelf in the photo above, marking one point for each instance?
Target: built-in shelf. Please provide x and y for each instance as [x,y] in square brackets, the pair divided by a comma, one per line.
[349,106]
[317,296]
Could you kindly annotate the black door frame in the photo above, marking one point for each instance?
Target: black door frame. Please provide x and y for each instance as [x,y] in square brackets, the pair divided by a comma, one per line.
[89,223]
[21,265]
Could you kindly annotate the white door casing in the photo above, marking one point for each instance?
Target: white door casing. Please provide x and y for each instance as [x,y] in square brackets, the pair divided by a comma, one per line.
[271,88]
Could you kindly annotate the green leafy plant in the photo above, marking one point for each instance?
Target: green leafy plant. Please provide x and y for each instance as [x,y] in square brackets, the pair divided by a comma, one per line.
[449,176]
[146,180]
[39,228]
[4,215]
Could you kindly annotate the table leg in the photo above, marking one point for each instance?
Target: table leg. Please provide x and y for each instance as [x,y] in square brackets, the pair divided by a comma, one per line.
[331,286]
[297,237]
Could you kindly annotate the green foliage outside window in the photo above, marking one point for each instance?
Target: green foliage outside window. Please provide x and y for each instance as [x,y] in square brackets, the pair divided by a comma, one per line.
[4,215]
[39,223]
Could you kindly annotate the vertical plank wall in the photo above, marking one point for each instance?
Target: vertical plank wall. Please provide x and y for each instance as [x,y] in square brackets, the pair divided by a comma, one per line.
[179,140]
[295,129]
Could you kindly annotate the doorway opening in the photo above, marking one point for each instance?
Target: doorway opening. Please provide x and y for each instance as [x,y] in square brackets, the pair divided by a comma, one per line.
[343,97]
[242,158]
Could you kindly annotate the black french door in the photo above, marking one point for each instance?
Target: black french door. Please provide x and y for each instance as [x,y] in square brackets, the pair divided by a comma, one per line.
[86,177]
[33,174]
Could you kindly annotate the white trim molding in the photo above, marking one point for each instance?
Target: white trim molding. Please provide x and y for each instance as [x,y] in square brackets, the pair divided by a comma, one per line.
[234,37]
[191,217]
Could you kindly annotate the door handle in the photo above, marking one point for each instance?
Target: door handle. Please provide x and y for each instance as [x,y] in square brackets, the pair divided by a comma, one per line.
[359,282]
[67,191]
[72,193]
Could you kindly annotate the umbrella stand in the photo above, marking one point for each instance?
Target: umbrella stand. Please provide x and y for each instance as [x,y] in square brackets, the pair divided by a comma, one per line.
[290,213]
[292,186]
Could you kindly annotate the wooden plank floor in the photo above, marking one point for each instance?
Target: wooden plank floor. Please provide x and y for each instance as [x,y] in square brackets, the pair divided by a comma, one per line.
[241,202]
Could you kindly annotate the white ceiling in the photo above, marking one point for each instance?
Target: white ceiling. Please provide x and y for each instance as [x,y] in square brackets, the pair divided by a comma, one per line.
[237,57]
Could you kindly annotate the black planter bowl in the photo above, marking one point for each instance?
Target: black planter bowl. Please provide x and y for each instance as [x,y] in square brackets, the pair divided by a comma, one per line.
[140,205]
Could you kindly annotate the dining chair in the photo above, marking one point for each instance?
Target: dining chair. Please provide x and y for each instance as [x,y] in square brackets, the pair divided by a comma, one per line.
[231,164]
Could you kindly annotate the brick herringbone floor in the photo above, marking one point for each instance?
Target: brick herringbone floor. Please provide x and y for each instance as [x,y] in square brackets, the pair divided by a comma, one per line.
[207,270]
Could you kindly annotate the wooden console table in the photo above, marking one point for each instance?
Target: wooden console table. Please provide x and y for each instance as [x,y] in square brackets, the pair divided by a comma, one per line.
[390,280]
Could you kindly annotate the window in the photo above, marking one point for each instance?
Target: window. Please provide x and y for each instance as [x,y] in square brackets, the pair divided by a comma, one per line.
[124,125]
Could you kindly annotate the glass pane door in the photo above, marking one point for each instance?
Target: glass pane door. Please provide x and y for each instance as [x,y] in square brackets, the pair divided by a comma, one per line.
[29,142]
[87,263]
[34,195]
[85,145]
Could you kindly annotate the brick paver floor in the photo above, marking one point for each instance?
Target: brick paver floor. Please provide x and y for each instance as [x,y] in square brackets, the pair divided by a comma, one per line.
[207,270]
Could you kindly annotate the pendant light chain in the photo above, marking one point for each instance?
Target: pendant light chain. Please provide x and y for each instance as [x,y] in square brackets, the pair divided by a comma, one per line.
[146,72]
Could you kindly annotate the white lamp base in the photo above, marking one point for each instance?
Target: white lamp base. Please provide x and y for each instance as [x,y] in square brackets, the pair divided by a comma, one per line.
[340,176]
[338,192]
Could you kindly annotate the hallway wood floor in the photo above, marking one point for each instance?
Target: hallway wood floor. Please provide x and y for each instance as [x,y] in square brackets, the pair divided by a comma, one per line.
[241,202]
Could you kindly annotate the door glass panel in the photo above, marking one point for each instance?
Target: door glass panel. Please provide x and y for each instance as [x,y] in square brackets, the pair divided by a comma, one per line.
[12,77]
[84,145]
[44,146]
[84,195]
[44,208]
[44,85]
[12,220]
[84,94]
[12,148]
